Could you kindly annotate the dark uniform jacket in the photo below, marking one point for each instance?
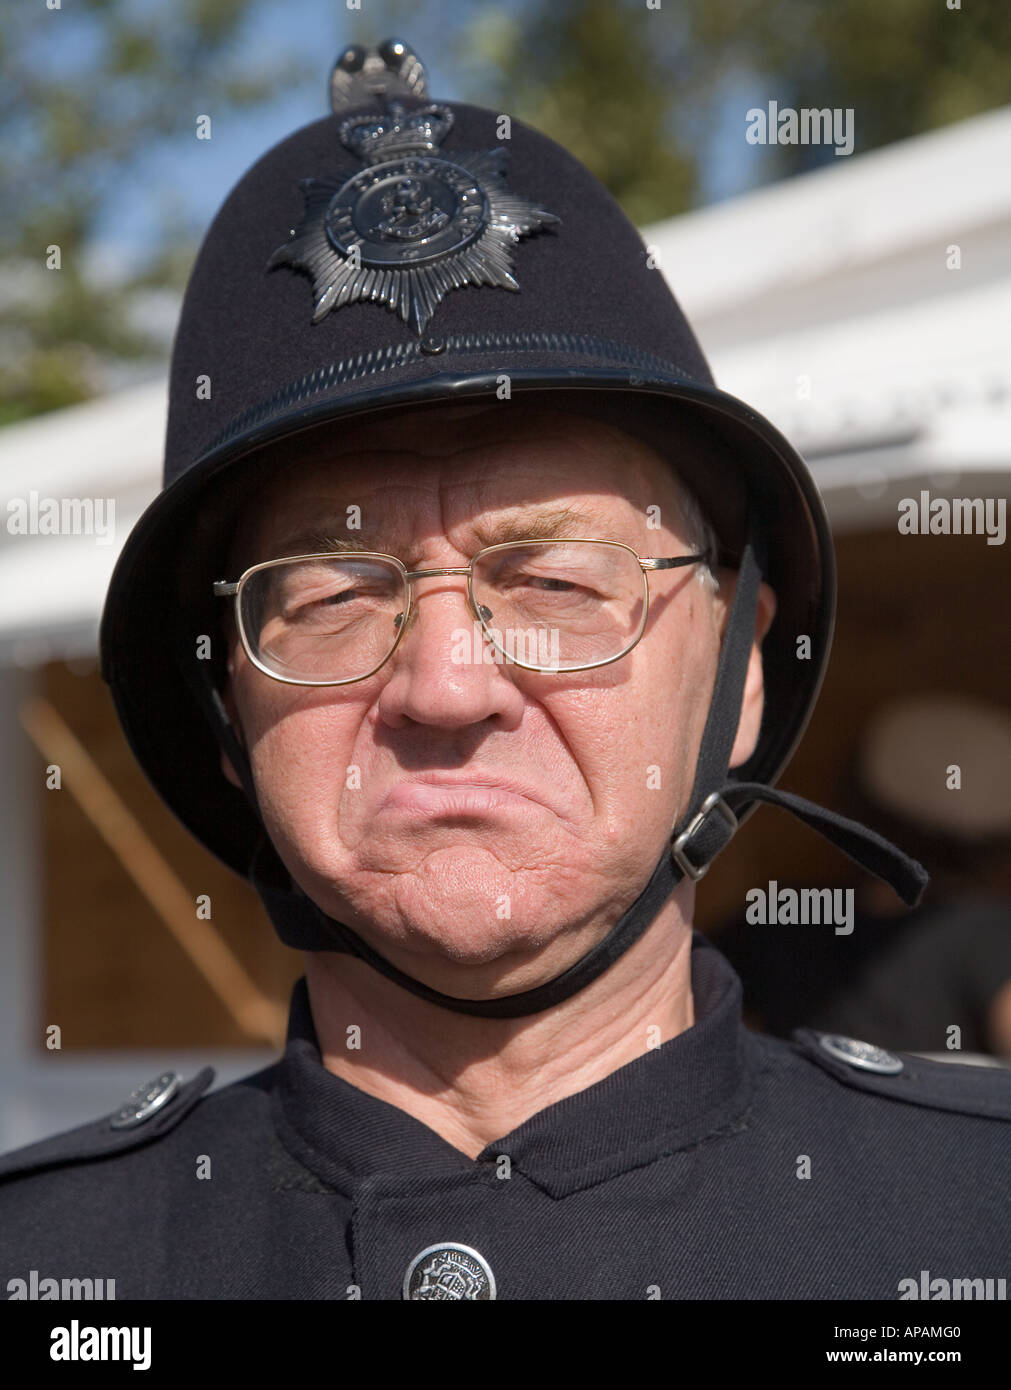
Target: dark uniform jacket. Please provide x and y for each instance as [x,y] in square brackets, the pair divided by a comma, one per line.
[721,1164]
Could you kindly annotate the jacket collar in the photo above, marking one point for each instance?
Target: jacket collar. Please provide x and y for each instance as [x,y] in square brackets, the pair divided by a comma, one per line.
[672,1098]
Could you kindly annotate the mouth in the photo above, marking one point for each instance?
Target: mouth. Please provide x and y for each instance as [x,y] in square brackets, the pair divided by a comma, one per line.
[441,794]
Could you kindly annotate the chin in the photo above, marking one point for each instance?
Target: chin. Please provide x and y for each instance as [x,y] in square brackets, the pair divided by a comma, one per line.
[459,905]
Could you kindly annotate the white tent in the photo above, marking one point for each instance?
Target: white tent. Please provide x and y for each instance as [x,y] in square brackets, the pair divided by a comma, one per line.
[864,308]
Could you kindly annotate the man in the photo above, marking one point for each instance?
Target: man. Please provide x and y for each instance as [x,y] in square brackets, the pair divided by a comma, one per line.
[493,826]
[500,591]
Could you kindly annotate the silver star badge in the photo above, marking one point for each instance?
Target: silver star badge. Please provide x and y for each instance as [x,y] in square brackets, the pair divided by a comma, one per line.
[411,225]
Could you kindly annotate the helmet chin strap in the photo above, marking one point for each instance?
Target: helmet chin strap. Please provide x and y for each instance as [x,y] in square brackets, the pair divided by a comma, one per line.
[706,828]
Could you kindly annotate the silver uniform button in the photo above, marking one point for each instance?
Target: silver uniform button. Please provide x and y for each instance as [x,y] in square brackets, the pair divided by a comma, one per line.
[863,1055]
[147,1101]
[448,1272]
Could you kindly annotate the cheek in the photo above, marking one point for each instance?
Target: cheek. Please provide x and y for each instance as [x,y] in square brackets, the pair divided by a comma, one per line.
[666,720]
[299,745]
[634,740]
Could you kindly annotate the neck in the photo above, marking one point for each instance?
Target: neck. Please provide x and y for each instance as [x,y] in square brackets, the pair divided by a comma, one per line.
[474,1080]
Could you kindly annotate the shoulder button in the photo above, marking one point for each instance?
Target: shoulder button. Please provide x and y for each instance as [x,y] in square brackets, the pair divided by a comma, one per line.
[865,1056]
[146,1101]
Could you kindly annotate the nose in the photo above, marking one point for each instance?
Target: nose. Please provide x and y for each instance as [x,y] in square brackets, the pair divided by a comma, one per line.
[440,674]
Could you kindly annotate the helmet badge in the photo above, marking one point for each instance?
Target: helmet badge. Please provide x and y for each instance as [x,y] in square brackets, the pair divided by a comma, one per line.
[412,224]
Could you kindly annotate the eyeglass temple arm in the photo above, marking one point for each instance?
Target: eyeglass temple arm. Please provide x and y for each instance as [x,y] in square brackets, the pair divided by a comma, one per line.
[676,563]
[222,589]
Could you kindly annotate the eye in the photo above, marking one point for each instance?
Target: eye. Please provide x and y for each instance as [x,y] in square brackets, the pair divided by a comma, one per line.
[303,606]
[345,596]
[553,585]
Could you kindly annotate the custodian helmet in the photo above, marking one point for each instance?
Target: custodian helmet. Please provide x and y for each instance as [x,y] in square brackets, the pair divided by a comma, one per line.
[402,252]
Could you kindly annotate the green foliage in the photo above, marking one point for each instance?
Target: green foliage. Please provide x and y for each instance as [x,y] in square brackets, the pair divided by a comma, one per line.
[636,92]
[904,67]
[88,90]
[594,76]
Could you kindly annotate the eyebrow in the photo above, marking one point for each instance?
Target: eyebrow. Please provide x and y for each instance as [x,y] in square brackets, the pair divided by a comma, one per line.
[519,526]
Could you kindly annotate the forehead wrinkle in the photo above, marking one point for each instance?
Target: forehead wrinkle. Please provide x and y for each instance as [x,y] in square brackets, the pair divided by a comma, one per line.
[635,468]
[316,511]
[618,466]
[519,523]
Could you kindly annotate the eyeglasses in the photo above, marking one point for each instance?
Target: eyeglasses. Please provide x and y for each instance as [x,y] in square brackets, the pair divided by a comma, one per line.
[545,605]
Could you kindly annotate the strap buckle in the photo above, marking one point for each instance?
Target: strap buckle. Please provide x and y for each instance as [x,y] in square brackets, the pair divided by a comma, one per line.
[713,802]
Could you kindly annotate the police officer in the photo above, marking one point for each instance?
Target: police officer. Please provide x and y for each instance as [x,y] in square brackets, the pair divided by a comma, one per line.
[427,387]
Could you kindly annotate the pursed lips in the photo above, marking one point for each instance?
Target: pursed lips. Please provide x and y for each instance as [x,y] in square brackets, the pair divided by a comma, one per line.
[459,793]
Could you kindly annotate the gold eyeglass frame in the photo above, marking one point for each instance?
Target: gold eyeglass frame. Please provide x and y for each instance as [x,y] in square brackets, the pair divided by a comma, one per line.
[227,589]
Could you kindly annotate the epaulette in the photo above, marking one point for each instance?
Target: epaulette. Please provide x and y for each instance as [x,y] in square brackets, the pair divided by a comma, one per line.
[983,1091]
[149,1113]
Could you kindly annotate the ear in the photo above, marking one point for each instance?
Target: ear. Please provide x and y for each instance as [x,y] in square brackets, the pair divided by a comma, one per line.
[753,699]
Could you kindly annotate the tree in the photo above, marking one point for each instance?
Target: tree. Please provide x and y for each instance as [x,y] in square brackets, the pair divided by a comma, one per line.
[606,79]
[904,68]
[86,92]
[638,89]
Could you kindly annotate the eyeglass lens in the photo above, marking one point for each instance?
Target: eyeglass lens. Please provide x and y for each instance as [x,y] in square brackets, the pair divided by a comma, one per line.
[552,605]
